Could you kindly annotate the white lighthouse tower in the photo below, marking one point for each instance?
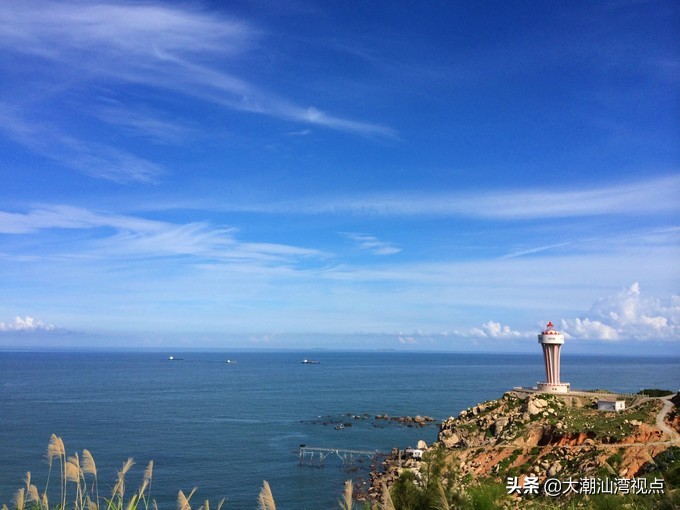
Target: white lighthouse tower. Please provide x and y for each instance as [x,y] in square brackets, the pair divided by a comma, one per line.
[551,341]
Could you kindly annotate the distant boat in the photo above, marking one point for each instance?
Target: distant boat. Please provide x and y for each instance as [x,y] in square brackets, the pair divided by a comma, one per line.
[230,361]
[172,358]
[310,362]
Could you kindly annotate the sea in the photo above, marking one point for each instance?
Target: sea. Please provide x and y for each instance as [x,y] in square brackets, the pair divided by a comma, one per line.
[224,428]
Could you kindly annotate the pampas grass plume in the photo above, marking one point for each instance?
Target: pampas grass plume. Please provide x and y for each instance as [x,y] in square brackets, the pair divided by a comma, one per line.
[55,448]
[146,482]
[89,504]
[266,498]
[31,490]
[89,467]
[183,501]
[119,489]
[346,502]
[73,471]
[32,494]
[19,499]
[148,472]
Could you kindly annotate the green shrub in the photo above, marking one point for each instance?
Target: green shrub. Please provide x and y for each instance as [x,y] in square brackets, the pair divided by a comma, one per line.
[654,392]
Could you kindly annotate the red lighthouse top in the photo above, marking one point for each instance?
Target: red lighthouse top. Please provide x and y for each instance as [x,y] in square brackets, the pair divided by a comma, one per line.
[549,329]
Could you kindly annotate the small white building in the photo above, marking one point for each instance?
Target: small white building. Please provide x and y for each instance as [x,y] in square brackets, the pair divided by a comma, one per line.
[611,405]
[415,453]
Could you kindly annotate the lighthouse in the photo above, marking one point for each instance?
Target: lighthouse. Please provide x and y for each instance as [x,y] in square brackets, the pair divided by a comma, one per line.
[551,340]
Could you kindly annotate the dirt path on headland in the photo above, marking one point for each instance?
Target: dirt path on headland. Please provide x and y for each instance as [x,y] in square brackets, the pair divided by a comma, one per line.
[661,417]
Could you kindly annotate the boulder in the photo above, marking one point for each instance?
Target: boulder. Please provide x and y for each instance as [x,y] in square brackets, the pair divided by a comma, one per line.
[555,469]
[451,440]
[500,424]
[536,405]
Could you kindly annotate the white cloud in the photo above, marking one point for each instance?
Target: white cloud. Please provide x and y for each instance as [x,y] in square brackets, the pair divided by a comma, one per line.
[492,330]
[138,237]
[587,328]
[198,239]
[531,251]
[373,244]
[26,324]
[69,217]
[406,340]
[628,315]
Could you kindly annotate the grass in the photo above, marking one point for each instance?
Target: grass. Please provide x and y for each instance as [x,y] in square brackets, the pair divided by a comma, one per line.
[608,424]
[78,488]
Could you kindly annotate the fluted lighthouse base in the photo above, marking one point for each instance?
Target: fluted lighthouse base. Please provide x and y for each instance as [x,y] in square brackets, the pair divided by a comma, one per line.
[553,388]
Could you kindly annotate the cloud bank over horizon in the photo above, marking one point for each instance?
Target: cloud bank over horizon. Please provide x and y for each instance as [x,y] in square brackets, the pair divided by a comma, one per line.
[26,324]
[627,315]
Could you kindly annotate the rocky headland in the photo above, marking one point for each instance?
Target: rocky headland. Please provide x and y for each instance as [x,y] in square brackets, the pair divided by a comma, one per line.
[546,436]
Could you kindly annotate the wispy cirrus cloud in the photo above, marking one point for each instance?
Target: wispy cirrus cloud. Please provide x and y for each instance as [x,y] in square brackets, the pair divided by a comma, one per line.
[92,158]
[198,239]
[136,237]
[69,217]
[372,244]
[531,251]
[141,121]
[648,196]
[189,51]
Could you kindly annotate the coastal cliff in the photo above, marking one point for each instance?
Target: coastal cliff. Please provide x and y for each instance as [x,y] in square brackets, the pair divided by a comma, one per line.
[525,435]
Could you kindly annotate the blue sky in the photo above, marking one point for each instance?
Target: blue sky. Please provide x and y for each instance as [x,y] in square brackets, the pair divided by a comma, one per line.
[407,175]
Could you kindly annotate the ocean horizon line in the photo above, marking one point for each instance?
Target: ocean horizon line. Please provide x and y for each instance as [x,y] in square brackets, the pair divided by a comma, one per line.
[169,351]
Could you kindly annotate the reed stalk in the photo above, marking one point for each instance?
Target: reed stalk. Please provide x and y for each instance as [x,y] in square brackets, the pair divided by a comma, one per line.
[442,501]
[387,503]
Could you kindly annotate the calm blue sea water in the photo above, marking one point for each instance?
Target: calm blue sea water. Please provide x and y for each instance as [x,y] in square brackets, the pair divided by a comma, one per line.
[226,427]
